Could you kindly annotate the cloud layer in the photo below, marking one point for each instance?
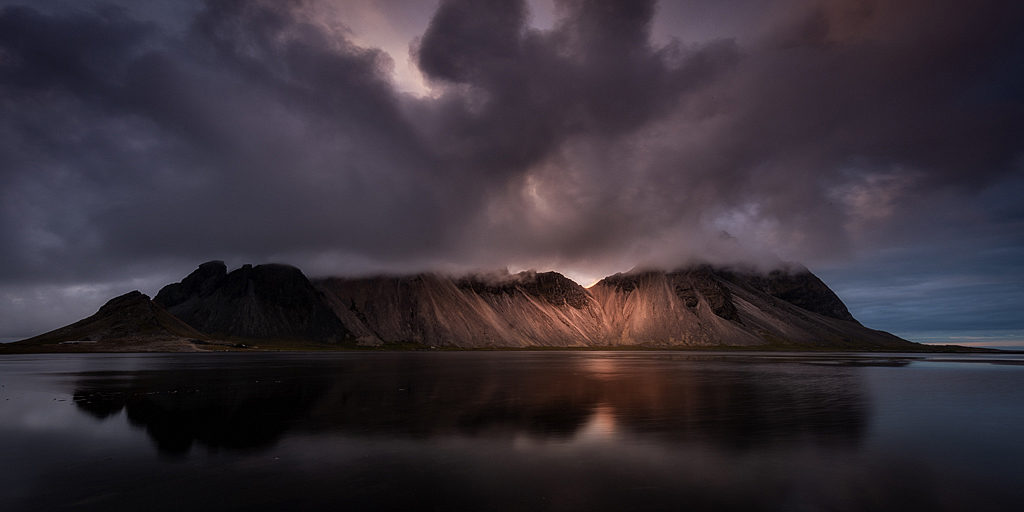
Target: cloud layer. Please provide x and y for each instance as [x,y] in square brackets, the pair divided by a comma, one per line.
[142,140]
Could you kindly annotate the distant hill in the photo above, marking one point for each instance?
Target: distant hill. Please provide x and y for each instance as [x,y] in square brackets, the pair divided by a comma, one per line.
[129,323]
[695,306]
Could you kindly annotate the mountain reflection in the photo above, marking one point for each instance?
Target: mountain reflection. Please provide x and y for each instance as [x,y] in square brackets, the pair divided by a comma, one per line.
[236,409]
[252,402]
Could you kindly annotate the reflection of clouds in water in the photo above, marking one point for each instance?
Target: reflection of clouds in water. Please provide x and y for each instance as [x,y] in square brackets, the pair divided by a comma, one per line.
[46,411]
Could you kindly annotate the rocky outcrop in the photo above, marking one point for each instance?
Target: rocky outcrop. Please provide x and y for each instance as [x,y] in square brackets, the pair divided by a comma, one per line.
[261,302]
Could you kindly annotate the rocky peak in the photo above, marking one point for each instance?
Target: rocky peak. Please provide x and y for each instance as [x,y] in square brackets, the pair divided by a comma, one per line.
[265,301]
[201,282]
[133,303]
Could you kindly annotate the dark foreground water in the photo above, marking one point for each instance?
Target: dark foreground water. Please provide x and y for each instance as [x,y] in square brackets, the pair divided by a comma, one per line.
[511,431]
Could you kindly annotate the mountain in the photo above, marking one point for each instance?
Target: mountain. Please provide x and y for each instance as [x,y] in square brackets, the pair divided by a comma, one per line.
[129,323]
[703,305]
[497,310]
[694,306]
[261,302]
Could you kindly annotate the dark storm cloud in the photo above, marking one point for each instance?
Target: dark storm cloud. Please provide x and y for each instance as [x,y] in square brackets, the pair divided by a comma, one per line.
[847,110]
[595,74]
[264,133]
[256,133]
[243,130]
[519,101]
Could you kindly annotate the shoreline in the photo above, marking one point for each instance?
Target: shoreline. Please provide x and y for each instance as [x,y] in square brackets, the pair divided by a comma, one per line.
[278,346]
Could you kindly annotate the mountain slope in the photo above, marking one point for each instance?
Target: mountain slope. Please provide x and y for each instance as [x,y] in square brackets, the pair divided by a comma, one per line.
[130,322]
[703,305]
[682,308]
[499,310]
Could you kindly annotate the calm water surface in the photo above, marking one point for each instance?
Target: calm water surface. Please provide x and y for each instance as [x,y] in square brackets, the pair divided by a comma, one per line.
[512,431]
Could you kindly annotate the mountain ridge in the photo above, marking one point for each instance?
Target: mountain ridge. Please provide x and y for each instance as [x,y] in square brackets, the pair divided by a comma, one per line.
[700,305]
[693,306]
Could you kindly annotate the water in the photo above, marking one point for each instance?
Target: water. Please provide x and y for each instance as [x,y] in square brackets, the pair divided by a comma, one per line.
[511,431]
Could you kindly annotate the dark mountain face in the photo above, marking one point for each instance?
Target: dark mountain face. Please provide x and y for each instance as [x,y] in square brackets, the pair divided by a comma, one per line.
[265,301]
[798,287]
[204,281]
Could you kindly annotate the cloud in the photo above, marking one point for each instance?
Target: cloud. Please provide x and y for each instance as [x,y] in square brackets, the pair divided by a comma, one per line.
[261,133]
[247,130]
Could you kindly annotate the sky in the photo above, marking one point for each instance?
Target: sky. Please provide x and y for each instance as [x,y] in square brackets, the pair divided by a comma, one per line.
[878,142]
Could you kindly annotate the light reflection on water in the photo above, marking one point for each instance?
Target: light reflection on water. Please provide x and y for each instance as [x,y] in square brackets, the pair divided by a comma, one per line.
[512,431]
